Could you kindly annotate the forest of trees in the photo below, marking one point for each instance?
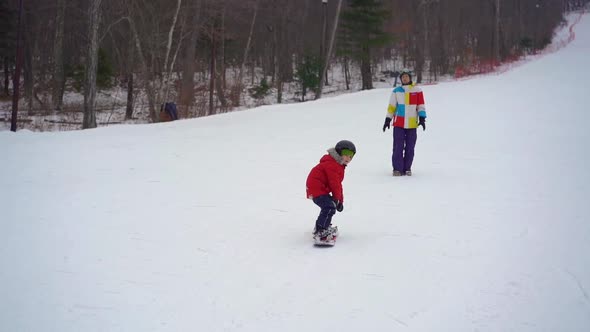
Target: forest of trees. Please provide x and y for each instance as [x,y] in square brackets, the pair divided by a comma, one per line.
[207,54]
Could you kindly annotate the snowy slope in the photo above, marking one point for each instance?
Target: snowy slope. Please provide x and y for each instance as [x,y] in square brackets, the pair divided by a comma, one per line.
[203,225]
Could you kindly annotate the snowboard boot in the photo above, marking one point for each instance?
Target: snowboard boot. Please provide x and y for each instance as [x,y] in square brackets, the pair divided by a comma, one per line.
[409,173]
[323,234]
[397,173]
[334,230]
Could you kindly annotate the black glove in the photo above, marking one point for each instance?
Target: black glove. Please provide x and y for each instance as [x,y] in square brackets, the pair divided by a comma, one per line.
[387,123]
[422,122]
[339,206]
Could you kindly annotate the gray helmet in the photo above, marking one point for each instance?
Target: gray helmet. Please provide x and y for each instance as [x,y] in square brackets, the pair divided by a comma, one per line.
[405,71]
[345,145]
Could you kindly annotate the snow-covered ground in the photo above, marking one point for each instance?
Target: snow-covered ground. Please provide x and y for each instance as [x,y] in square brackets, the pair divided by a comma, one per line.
[203,225]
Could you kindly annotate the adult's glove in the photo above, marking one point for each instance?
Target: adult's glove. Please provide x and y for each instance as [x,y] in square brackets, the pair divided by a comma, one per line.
[387,124]
[422,122]
[339,206]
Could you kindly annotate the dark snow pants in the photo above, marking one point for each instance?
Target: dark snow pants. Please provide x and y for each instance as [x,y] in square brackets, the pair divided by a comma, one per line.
[404,141]
[326,203]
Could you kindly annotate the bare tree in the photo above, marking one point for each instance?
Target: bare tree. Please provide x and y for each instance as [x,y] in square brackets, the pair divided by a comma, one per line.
[282,61]
[188,75]
[89,120]
[330,47]
[248,44]
[151,60]
[168,62]
[213,63]
[497,30]
[58,61]
[238,38]
[16,80]
[220,70]
[130,82]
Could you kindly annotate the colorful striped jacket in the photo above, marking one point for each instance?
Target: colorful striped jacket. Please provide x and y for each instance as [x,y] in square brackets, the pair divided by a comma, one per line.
[406,104]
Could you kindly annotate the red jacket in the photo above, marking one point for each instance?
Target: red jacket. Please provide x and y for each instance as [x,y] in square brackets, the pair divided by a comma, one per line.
[326,177]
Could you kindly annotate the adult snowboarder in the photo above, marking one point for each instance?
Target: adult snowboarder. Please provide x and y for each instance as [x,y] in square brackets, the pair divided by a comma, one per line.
[406,109]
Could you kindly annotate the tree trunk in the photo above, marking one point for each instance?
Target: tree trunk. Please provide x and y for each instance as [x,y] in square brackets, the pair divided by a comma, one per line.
[497,32]
[147,74]
[168,64]
[220,91]
[330,47]
[322,59]
[6,77]
[28,77]
[58,82]
[89,120]
[212,73]
[425,51]
[277,79]
[346,73]
[425,28]
[367,78]
[274,28]
[188,74]
[129,75]
[443,50]
[129,107]
[303,93]
[279,84]
[16,79]
[221,75]
[220,70]
[282,59]
[300,41]
[253,64]
[247,48]
[419,55]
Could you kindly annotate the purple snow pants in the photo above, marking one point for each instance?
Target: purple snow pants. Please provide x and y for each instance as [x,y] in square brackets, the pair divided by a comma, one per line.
[404,141]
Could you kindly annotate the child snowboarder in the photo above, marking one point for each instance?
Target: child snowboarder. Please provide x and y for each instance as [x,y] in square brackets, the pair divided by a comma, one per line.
[324,187]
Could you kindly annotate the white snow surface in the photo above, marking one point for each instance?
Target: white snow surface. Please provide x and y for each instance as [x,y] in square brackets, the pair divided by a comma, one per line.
[203,224]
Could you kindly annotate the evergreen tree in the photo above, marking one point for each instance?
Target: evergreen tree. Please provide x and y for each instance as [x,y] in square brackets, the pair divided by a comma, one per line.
[104,71]
[362,25]
[307,74]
